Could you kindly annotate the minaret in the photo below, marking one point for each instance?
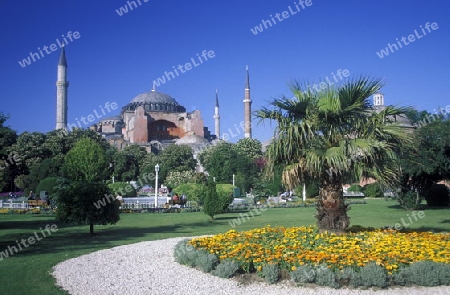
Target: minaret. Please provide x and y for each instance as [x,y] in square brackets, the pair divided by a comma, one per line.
[61,92]
[217,117]
[247,109]
[378,99]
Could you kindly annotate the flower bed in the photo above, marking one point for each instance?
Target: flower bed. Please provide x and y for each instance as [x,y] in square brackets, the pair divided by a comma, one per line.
[386,254]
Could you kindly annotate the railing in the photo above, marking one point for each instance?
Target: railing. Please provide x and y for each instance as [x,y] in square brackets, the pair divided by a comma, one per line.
[12,205]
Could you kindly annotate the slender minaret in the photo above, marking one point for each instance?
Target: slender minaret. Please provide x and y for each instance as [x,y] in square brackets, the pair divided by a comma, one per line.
[247,109]
[217,117]
[61,92]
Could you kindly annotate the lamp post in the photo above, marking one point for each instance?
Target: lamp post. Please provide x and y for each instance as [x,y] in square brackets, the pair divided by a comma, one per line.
[156,185]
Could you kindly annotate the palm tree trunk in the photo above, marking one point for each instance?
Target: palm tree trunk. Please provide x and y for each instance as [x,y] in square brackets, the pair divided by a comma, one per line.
[331,208]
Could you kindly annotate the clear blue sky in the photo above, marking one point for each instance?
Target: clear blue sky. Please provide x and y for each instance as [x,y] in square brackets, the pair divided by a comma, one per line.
[117,57]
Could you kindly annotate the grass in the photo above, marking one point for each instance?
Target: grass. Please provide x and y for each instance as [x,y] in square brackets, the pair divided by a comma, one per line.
[28,271]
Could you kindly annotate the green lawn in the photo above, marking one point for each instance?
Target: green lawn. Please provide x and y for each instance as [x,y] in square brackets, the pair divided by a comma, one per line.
[27,272]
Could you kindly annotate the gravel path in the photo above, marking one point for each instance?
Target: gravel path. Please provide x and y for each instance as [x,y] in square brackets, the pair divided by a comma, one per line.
[149,268]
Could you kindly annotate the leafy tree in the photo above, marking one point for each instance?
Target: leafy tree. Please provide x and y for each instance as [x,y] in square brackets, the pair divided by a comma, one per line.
[8,161]
[172,158]
[84,198]
[77,200]
[128,162]
[176,178]
[331,136]
[212,205]
[223,160]
[48,185]
[123,189]
[428,161]
[250,147]
[86,161]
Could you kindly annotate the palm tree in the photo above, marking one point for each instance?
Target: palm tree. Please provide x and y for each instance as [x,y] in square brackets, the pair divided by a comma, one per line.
[332,136]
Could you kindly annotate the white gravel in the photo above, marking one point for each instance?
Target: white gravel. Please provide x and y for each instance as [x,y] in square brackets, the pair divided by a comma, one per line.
[149,268]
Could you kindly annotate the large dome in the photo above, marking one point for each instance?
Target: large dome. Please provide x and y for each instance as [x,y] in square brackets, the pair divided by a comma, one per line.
[155,97]
[154,101]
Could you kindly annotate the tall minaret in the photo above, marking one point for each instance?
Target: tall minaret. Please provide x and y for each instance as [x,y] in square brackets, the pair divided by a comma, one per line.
[61,92]
[217,117]
[247,109]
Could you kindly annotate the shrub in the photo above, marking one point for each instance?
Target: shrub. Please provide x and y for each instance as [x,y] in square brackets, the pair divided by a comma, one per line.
[212,205]
[409,200]
[271,273]
[437,195]
[426,273]
[193,191]
[122,189]
[225,194]
[373,190]
[325,277]
[303,274]
[373,275]
[206,261]
[349,276]
[226,269]
[185,253]
[355,188]
[48,184]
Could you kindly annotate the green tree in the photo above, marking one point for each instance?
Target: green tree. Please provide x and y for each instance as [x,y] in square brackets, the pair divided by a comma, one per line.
[173,158]
[223,160]
[212,205]
[426,163]
[86,161]
[250,147]
[8,161]
[81,202]
[331,136]
[83,198]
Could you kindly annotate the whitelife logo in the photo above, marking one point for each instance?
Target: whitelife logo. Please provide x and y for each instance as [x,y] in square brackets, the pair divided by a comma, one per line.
[411,38]
[53,47]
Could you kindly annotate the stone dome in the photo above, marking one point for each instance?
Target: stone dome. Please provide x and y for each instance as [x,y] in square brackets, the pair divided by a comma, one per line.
[155,97]
[154,101]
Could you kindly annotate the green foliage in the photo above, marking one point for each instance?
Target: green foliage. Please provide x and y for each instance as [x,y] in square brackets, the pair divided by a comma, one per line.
[271,272]
[122,189]
[373,190]
[212,205]
[173,158]
[303,274]
[373,275]
[349,276]
[437,195]
[176,178]
[325,277]
[355,188]
[185,253]
[206,261]
[48,185]
[86,161]
[225,194]
[226,269]
[409,200]
[249,147]
[193,192]
[76,203]
[425,273]
[223,160]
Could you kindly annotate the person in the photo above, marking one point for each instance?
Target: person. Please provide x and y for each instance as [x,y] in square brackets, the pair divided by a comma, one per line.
[183,200]
[31,196]
[175,199]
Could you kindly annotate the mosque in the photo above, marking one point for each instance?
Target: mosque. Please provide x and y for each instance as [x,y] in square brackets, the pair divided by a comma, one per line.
[151,119]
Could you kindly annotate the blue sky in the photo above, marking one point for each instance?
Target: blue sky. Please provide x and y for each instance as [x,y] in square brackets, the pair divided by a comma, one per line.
[117,57]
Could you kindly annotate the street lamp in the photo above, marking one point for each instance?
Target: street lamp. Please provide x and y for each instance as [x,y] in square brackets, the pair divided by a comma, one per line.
[156,185]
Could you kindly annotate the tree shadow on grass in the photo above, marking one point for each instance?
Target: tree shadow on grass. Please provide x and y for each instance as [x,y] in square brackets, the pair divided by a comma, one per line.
[76,239]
